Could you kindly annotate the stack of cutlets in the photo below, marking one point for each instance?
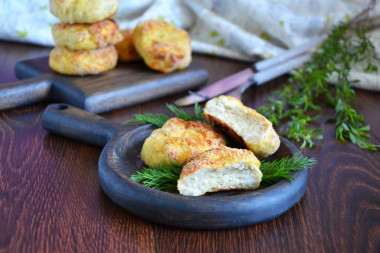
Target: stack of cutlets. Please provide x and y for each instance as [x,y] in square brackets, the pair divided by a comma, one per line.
[85,36]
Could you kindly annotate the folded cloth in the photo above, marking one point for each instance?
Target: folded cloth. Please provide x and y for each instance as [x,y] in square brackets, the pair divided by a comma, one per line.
[237,29]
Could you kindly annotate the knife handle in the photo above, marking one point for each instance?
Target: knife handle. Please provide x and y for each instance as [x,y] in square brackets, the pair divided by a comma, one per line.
[276,71]
[25,92]
[287,55]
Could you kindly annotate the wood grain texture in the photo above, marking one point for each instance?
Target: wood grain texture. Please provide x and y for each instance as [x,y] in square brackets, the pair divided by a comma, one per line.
[51,201]
[50,198]
[127,84]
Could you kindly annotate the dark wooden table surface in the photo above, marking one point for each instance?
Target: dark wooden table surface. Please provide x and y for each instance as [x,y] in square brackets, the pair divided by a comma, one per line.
[51,200]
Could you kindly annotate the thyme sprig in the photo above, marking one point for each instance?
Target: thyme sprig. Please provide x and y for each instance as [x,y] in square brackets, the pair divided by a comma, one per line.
[297,105]
[164,176]
[160,119]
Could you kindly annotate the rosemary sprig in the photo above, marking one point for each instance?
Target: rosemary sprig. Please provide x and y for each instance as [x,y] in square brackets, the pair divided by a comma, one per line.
[164,176]
[160,119]
[296,105]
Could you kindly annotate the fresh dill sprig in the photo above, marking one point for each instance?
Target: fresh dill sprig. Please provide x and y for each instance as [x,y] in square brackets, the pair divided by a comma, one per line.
[149,118]
[278,169]
[160,119]
[198,111]
[185,115]
[164,176]
[296,105]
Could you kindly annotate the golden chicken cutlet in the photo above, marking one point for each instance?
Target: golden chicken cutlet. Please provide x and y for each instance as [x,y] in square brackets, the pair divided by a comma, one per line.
[242,124]
[87,36]
[83,11]
[83,62]
[220,169]
[125,48]
[162,46]
[179,141]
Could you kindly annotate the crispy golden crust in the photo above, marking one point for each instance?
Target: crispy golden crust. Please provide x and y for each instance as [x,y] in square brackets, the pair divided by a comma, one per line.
[87,36]
[83,11]
[162,46]
[219,158]
[179,141]
[125,48]
[82,62]
[243,124]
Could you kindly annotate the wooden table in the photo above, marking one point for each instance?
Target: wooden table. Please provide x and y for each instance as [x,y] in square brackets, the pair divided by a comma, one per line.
[51,200]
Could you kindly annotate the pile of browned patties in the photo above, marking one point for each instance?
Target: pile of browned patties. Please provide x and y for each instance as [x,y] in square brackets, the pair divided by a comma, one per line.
[85,39]
[85,36]
[162,46]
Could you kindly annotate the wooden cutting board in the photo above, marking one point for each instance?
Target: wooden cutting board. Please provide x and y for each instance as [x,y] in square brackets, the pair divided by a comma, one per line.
[127,84]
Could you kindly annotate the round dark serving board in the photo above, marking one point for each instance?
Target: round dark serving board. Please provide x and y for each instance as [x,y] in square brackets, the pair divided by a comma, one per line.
[120,158]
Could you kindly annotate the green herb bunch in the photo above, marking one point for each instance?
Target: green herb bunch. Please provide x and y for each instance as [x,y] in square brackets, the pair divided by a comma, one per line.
[297,104]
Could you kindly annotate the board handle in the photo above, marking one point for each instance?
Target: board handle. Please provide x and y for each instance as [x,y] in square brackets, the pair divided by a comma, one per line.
[79,125]
[25,92]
